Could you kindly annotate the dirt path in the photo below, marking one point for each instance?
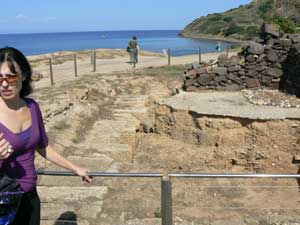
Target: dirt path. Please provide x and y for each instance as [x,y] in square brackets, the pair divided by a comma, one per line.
[94,123]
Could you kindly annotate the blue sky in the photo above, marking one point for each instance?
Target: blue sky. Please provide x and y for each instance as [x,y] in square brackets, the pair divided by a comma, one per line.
[38,16]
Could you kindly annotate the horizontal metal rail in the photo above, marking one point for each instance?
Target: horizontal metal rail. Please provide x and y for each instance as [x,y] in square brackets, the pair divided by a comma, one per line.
[233,175]
[183,175]
[99,174]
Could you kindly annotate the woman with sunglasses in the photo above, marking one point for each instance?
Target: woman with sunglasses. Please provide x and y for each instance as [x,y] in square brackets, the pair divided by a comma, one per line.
[22,133]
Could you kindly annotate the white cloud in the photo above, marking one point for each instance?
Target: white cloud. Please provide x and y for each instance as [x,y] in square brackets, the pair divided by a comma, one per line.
[21,16]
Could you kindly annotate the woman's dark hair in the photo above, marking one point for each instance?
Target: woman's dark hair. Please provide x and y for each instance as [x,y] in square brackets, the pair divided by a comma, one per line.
[18,63]
[134,37]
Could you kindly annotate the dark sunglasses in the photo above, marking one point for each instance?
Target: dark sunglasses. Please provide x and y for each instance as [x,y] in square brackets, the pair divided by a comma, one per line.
[11,79]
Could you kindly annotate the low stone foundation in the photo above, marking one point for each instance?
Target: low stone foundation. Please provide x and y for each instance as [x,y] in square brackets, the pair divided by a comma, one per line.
[271,64]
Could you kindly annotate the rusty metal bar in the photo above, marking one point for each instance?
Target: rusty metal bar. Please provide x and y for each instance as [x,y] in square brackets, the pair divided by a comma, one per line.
[51,71]
[75,65]
[200,56]
[227,52]
[94,61]
[169,56]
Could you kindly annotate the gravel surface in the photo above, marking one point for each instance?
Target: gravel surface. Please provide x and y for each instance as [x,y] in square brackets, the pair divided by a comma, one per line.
[271,98]
[232,104]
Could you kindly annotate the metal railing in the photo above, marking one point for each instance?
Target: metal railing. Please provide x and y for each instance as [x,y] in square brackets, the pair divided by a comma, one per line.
[51,61]
[68,57]
[166,183]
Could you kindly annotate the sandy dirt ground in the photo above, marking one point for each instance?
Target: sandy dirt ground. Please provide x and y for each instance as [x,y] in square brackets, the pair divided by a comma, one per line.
[108,61]
[99,120]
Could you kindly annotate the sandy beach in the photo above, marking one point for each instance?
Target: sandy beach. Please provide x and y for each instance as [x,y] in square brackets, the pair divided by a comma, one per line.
[107,61]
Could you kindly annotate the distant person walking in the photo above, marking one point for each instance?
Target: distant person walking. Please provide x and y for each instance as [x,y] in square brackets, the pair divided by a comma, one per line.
[133,49]
[218,47]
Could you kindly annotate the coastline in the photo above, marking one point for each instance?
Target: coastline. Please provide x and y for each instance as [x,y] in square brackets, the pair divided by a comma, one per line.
[212,37]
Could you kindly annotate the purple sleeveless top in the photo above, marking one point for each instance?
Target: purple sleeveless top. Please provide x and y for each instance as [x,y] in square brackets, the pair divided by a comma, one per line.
[20,164]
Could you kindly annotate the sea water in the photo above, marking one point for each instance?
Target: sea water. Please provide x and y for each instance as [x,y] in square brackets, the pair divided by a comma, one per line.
[154,40]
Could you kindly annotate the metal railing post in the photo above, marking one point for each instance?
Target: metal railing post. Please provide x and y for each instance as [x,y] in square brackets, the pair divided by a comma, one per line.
[94,62]
[75,65]
[227,52]
[199,55]
[51,71]
[166,201]
[92,58]
[169,56]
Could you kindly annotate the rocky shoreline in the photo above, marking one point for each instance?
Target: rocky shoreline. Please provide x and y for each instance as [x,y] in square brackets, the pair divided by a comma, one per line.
[213,37]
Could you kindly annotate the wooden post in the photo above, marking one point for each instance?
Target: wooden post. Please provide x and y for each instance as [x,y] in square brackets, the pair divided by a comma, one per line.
[169,56]
[51,71]
[75,65]
[199,55]
[94,61]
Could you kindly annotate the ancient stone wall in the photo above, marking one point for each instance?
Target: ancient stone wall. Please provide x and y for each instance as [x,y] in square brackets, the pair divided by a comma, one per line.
[291,71]
[272,64]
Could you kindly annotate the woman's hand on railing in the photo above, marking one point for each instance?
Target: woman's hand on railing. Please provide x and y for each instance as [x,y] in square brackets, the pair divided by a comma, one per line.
[83,172]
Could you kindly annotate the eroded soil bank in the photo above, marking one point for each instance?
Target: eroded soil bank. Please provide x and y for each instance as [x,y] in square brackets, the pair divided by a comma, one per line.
[257,145]
[189,142]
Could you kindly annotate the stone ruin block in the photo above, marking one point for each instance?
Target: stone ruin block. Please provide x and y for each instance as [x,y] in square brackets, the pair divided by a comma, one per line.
[191,74]
[205,79]
[270,29]
[252,83]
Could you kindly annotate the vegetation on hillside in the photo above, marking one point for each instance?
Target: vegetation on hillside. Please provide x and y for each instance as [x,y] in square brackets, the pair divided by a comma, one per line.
[245,21]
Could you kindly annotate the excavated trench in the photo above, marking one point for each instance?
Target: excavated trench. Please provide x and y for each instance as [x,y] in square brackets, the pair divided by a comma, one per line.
[187,141]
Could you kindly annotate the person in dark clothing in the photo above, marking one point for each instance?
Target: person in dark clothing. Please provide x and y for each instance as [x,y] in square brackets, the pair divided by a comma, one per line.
[219,46]
[133,50]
